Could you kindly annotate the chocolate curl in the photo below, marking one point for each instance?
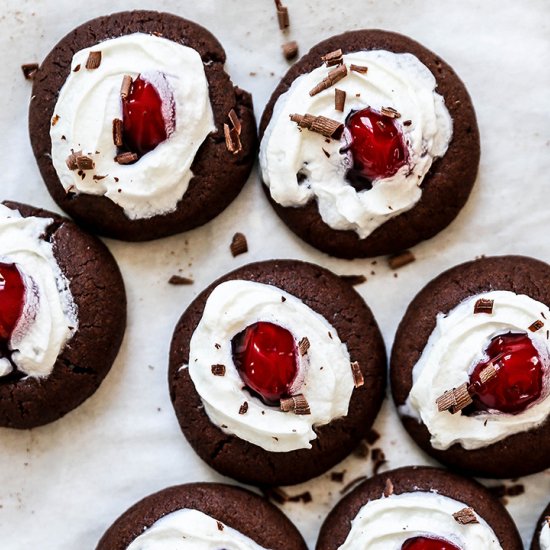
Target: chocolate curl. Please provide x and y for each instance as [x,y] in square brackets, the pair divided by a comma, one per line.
[297,404]
[319,124]
[390,112]
[454,400]
[238,245]
[388,489]
[358,379]
[303,345]
[465,516]
[93,61]
[125,86]
[332,58]
[484,305]
[339,99]
[282,15]
[332,78]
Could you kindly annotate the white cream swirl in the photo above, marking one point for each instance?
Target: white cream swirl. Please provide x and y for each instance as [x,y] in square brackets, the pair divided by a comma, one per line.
[453,349]
[393,80]
[49,318]
[90,100]
[386,523]
[325,377]
[544,540]
[189,529]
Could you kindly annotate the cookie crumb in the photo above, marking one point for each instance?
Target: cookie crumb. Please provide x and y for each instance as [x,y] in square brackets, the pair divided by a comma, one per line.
[290,50]
[29,70]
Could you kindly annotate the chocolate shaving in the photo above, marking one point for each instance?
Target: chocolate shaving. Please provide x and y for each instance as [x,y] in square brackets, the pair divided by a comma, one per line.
[238,244]
[282,15]
[358,379]
[487,373]
[117,132]
[179,280]
[465,516]
[304,497]
[29,70]
[125,86]
[407,123]
[353,483]
[390,112]
[388,489]
[243,408]
[332,78]
[484,305]
[218,370]
[77,68]
[339,99]
[296,403]
[93,61]
[95,177]
[372,437]
[236,123]
[400,260]
[454,400]
[55,119]
[537,325]
[332,58]
[232,139]
[220,525]
[84,162]
[354,280]
[337,477]
[379,459]
[303,345]
[319,124]
[358,68]
[126,158]
[290,50]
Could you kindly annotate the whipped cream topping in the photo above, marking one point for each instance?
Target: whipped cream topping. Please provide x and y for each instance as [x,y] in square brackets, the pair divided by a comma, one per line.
[544,540]
[189,529]
[49,317]
[386,523]
[393,80]
[455,346]
[325,377]
[90,100]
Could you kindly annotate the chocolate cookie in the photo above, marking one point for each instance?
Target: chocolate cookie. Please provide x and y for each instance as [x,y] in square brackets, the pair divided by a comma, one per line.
[445,187]
[542,523]
[97,302]
[497,304]
[217,174]
[301,297]
[233,507]
[391,487]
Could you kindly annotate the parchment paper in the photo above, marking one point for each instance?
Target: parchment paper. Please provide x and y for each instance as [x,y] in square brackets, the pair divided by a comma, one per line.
[62,485]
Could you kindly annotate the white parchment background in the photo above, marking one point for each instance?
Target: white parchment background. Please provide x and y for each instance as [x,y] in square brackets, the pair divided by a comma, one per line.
[63,484]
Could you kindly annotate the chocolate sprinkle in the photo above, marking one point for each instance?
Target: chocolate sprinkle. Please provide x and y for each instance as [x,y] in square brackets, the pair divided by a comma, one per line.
[126,158]
[296,403]
[465,516]
[179,280]
[358,379]
[29,70]
[244,408]
[117,132]
[537,325]
[484,305]
[390,112]
[93,61]
[238,244]
[303,345]
[290,50]
[218,370]
[332,78]
[339,99]
[400,260]
[332,58]
[319,124]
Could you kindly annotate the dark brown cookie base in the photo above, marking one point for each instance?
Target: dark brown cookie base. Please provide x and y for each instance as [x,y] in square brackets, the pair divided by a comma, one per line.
[338,302]
[336,526]
[520,454]
[218,174]
[445,188]
[535,544]
[241,510]
[98,292]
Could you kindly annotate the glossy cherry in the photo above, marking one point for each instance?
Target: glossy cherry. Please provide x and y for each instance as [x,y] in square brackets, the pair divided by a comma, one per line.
[265,356]
[12,300]
[143,117]
[428,543]
[377,147]
[518,381]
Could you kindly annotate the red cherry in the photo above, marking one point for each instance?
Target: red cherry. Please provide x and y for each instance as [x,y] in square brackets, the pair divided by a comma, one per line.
[518,381]
[377,147]
[12,300]
[428,543]
[265,356]
[143,122]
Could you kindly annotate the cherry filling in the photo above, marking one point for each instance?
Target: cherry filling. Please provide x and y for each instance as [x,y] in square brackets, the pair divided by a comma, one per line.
[376,145]
[12,300]
[428,543]
[144,124]
[265,356]
[518,381]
